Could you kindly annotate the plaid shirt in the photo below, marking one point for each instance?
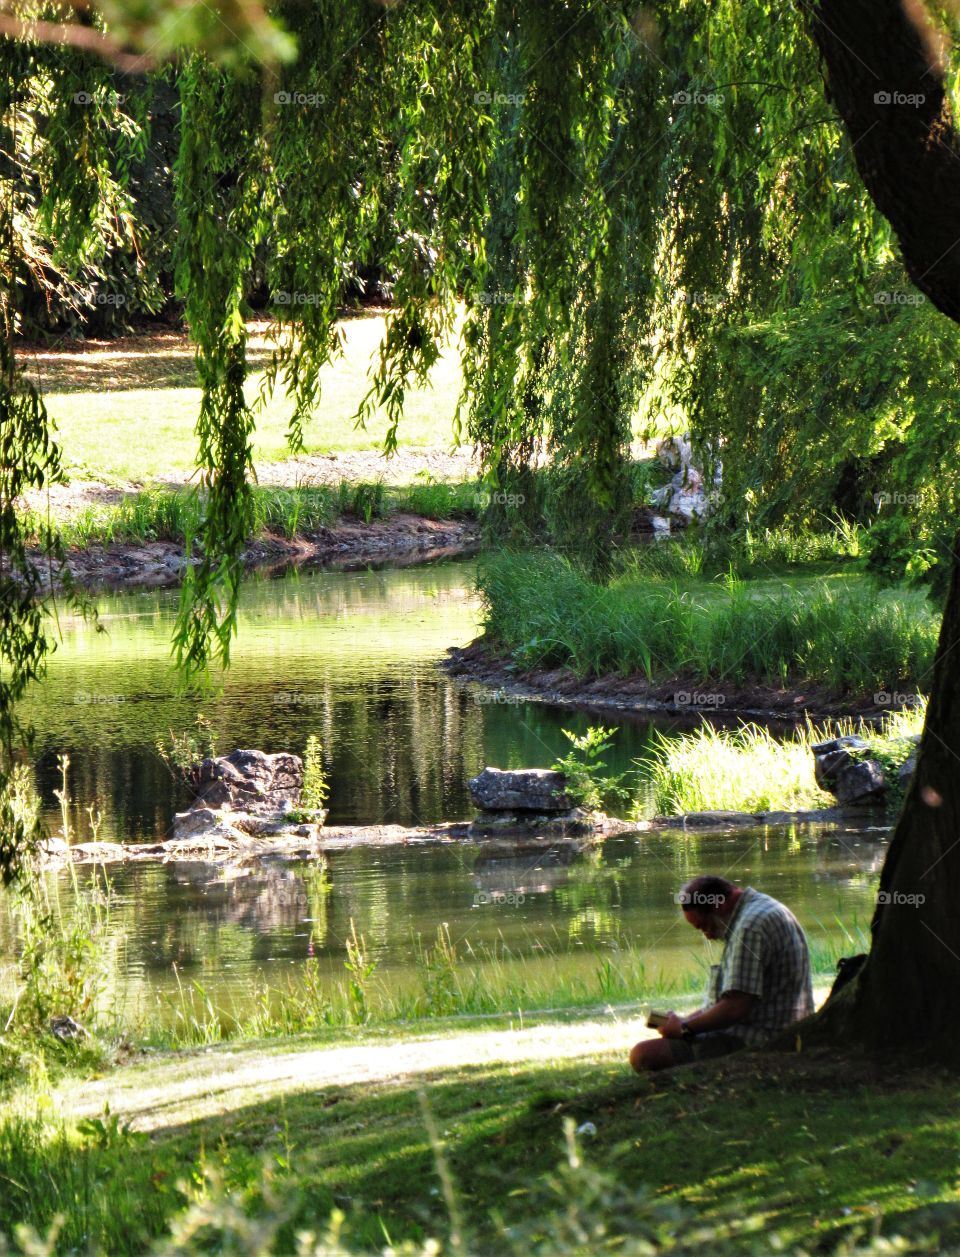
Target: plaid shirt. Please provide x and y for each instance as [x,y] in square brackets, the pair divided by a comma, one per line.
[765,954]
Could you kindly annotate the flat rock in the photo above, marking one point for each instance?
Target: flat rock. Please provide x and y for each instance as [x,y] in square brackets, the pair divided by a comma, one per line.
[520,790]
[498,824]
[105,851]
[53,847]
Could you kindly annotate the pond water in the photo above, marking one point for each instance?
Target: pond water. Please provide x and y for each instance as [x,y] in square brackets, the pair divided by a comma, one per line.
[353,657]
[350,656]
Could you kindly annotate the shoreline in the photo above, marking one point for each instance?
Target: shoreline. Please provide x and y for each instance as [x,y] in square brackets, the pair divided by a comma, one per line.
[400,540]
[682,699]
[303,846]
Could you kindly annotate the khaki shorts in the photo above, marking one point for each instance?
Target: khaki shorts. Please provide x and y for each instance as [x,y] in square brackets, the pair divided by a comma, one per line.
[704,1047]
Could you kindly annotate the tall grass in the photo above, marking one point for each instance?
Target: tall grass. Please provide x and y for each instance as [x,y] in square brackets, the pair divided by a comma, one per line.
[62,961]
[742,770]
[694,554]
[450,979]
[844,636]
[159,514]
[750,770]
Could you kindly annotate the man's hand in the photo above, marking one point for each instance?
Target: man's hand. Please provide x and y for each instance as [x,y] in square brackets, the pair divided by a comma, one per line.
[672,1028]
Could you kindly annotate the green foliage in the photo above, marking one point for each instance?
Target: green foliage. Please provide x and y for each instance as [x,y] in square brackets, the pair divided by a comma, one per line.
[844,635]
[184,752]
[749,769]
[315,784]
[366,501]
[743,770]
[62,962]
[654,209]
[587,784]
[438,967]
[173,515]
[360,967]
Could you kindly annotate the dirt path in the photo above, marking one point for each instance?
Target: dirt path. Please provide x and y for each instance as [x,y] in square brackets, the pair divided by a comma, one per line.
[185,1086]
[179,1087]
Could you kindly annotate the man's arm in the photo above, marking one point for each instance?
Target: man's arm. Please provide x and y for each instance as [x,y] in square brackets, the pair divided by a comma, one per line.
[730,1008]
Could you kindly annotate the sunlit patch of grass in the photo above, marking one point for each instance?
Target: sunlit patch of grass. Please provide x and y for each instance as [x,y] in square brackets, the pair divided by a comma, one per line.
[742,770]
[750,770]
[135,411]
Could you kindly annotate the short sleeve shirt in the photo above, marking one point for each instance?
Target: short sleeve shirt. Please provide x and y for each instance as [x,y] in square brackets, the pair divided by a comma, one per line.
[765,954]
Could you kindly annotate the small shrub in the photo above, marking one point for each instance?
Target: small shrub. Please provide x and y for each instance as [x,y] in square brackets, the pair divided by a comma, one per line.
[316,788]
[587,784]
[183,753]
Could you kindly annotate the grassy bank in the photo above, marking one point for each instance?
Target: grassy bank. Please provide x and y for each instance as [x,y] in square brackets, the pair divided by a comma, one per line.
[170,514]
[778,1154]
[67,959]
[449,983]
[833,631]
[750,770]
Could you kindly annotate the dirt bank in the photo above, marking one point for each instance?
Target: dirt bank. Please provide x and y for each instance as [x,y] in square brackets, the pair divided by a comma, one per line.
[400,539]
[684,699]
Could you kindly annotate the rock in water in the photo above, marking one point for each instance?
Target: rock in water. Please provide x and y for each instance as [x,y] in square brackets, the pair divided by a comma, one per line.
[237,792]
[832,758]
[520,790]
[250,781]
[840,768]
[860,783]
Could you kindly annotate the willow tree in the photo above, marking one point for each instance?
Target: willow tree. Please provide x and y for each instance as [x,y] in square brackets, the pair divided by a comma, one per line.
[600,189]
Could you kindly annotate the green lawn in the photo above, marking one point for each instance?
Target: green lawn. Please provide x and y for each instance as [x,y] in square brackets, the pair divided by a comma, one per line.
[129,411]
[711,1159]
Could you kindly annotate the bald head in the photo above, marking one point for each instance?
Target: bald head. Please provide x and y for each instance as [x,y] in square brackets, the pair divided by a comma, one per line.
[708,903]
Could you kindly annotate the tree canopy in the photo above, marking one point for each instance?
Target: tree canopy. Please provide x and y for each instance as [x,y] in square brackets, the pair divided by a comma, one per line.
[625,214]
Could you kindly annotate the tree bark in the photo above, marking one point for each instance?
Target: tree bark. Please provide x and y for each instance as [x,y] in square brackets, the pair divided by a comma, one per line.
[884,76]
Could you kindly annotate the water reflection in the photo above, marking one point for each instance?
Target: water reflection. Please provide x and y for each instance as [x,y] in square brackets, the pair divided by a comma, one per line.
[561,908]
[351,656]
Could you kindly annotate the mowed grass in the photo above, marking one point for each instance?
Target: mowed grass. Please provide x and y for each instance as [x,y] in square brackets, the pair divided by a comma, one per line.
[128,411]
[753,1154]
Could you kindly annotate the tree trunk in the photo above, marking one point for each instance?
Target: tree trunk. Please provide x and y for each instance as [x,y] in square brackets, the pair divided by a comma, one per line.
[884,76]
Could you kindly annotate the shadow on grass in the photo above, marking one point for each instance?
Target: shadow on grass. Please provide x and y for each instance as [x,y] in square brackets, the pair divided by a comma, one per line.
[806,1148]
[161,360]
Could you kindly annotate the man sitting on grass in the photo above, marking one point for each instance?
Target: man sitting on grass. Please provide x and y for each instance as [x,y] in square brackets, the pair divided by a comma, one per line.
[760,987]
